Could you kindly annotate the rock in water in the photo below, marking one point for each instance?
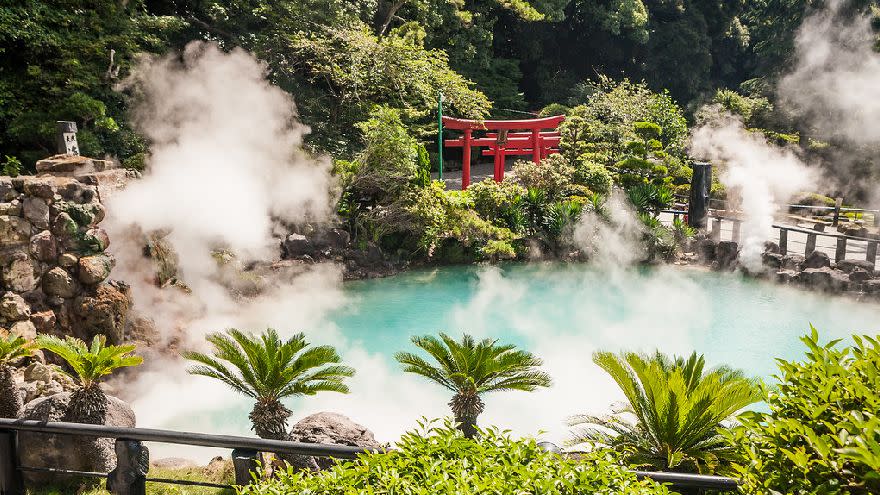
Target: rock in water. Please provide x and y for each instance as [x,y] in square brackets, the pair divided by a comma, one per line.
[328,428]
[66,451]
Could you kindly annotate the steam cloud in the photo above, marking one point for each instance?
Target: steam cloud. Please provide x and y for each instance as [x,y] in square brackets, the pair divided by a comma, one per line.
[759,175]
[836,81]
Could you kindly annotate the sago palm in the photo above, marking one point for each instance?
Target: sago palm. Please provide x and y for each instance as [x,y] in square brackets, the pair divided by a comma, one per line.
[12,348]
[469,369]
[268,369]
[89,363]
[674,411]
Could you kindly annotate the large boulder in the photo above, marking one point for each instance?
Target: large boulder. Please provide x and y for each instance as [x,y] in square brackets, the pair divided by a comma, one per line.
[57,282]
[726,253]
[66,451]
[14,231]
[13,307]
[296,245]
[792,261]
[328,428]
[95,269]
[36,211]
[44,247]
[20,273]
[817,259]
[102,311]
[849,266]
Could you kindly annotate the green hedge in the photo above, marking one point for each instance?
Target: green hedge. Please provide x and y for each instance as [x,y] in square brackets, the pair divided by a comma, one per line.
[438,460]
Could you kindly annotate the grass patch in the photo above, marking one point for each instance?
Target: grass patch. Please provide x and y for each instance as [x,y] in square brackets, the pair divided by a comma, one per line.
[216,472]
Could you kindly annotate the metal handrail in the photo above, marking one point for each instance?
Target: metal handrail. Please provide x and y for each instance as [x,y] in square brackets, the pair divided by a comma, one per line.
[122,434]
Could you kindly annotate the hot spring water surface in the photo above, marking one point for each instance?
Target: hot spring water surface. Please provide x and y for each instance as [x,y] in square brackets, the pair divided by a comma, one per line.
[562,313]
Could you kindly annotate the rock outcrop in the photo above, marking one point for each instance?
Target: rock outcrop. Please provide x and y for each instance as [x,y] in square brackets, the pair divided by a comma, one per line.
[328,428]
[54,267]
[65,451]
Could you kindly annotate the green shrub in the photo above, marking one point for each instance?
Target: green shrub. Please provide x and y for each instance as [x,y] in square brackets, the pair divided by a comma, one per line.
[12,166]
[553,175]
[822,433]
[498,250]
[593,175]
[553,110]
[440,461]
[498,202]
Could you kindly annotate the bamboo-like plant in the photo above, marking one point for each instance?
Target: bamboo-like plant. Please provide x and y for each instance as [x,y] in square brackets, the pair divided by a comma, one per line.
[12,348]
[89,364]
[471,368]
[268,369]
[674,411]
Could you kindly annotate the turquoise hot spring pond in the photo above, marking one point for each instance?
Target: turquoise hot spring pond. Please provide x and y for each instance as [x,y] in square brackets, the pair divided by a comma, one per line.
[563,313]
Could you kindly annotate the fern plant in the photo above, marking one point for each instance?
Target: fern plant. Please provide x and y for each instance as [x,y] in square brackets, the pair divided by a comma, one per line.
[12,349]
[674,410]
[89,365]
[471,368]
[269,369]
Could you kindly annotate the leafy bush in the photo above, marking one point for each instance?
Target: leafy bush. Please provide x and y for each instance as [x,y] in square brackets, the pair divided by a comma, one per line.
[605,122]
[553,110]
[822,434]
[593,175]
[439,460]
[499,202]
[12,166]
[553,175]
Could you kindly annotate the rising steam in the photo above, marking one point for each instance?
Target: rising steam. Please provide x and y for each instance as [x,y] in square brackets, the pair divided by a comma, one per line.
[835,84]
[759,176]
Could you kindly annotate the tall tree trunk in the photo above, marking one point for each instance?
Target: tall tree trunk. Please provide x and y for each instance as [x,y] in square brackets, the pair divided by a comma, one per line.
[10,406]
[466,406]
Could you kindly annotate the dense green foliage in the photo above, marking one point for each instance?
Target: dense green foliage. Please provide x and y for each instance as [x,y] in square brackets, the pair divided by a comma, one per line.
[63,60]
[822,432]
[438,460]
[471,368]
[268,369]
[674,412]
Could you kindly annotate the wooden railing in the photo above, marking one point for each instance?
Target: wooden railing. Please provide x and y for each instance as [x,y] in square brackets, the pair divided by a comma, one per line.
[132,457]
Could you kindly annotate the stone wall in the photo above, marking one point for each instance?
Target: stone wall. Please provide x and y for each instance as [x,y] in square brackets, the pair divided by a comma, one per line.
[54,267]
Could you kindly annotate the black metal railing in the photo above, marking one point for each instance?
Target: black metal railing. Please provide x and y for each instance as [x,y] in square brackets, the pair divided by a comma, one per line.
[132,458]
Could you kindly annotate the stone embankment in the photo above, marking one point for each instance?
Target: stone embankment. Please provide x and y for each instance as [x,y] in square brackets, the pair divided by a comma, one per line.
[312,245]
[54,266]
[817,271]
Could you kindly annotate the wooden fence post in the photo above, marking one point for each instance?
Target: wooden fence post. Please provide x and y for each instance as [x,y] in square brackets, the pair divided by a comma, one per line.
[871,252]
[716,229]
[783,242]
[838,202]
[11,480]
[840,253]
[244,462]
[132,463]
[811,244]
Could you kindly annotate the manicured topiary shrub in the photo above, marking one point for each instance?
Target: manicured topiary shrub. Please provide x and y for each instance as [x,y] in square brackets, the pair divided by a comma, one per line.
[593,175]
[822,434]
[441,461]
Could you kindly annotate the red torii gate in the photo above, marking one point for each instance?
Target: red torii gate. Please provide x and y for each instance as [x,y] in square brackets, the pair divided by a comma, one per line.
[530,141]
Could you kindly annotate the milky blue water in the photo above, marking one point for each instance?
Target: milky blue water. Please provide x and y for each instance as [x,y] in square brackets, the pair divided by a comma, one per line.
[741,322]
[563,313]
